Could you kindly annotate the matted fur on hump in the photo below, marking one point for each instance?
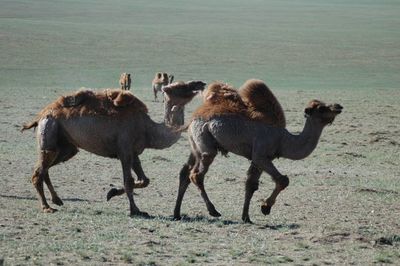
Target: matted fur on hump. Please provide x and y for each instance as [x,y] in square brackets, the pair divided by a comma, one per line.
[220,99]
[110,102]
[253,100]
[262,103]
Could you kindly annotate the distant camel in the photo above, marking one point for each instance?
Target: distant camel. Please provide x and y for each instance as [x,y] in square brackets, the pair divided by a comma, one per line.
[125,81]
[255,140]
[160,80]
[111,123]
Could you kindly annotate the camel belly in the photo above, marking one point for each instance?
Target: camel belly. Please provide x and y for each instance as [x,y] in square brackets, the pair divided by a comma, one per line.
[229,135]
[98,136]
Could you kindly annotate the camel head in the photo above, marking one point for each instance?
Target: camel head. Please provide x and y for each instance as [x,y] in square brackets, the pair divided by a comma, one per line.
[321,112]
[177,95]
[165,79]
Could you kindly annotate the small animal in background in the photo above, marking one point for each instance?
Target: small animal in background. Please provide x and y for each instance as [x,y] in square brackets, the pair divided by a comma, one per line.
[125,81]
[160,80]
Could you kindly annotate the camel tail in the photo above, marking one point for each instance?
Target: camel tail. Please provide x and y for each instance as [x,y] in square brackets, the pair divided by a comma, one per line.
[262,103]
[30,125]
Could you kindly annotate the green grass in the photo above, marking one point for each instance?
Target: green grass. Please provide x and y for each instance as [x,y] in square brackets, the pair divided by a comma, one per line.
[306,44]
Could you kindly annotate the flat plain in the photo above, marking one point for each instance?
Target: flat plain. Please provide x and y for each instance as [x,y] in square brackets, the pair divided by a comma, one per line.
[342,205]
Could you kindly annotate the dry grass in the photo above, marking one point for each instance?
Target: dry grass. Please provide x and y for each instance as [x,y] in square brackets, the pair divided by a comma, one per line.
[341,206]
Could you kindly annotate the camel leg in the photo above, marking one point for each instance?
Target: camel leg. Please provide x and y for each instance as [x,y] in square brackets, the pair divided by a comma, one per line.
[143,181]
[40,174]
[48,140]
[155,94]
[142,178]
[184,182]
[253,176]
[54,197]
[281,182]
[128,186]
[67,151]
[197,177]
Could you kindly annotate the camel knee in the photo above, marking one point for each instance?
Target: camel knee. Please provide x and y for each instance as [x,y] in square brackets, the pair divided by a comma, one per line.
[252,185]
[282,182]
[197,179]
[37,178]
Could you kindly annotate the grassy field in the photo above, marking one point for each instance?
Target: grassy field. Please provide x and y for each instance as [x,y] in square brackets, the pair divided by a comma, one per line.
[342,205]
[302,44]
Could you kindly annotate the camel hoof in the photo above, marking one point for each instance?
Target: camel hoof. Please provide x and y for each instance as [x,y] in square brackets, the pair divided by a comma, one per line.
[177,218]
[57,201]
[266,209]
[49,210]
[247,220]
[142,183]
[140,214]
[112,193]
[214,213]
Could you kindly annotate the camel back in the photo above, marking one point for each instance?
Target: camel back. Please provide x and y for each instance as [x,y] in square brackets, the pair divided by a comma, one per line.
[262,103]
[254,100]
[220,99]
[89,103]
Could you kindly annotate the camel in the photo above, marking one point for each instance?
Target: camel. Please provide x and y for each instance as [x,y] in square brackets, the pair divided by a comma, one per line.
[110,123]
[257,141]
[160,80]
[125,81]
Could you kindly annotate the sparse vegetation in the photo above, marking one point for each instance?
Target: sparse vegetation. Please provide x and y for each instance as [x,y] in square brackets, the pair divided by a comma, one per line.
[342,204]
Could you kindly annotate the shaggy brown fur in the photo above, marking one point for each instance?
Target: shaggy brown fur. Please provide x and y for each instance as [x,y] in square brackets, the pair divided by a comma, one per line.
[109,102]
[253,100]
[262,103]
[314,104]
[220,99]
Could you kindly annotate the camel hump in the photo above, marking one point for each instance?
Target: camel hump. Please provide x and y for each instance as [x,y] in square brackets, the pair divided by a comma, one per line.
[262,103]
[110,102]
[124,100]
[120,98]
[220,99]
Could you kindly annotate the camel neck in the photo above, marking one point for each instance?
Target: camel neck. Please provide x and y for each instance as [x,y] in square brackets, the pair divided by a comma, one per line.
[161,136]
[299,146]
[164,135]
[173,118]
